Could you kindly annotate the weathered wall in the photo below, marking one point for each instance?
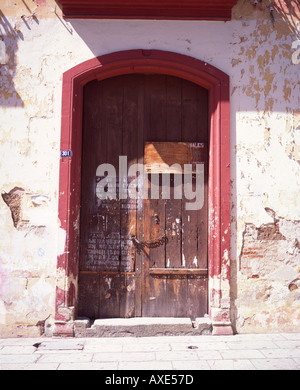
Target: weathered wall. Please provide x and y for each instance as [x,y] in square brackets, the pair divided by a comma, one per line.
[265,148]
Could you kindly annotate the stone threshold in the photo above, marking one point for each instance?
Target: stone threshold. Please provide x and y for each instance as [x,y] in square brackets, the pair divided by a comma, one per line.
[142,327]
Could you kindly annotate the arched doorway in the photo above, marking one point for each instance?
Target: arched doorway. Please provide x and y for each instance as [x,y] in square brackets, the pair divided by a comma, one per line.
[174,67]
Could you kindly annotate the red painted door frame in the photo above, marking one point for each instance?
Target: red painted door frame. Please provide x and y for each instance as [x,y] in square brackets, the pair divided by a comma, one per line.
[146,61]
[148,9]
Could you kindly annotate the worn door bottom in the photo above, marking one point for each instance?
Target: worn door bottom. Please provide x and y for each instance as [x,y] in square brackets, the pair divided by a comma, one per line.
[142,327]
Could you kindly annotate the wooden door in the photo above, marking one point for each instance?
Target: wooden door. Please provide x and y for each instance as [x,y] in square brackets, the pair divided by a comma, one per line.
[143,257]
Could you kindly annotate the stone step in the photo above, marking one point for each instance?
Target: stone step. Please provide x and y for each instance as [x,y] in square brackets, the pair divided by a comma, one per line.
[142,327]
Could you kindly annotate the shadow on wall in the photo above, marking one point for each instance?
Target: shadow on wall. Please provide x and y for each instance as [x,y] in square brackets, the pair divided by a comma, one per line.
[10,36]
[291,8]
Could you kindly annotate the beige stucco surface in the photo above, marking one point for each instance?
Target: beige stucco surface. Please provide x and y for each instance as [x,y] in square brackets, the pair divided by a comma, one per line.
[262,62]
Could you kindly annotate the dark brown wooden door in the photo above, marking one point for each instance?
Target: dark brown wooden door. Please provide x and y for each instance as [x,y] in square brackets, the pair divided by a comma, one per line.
[141,257]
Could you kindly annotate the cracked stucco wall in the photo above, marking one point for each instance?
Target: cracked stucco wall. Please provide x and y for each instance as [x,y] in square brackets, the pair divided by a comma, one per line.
[265,147]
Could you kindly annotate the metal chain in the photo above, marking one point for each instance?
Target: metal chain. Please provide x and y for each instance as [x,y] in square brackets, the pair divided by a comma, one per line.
[154,243]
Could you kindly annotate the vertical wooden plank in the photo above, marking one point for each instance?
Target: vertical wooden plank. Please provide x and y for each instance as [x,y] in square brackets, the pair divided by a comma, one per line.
[189,236]
[194,249]
[127,295]
[153,210]
[92,137]
[130,150]
[203,213]
[174,102]
[202,225]
[142,121]
[174,206]
[112,122]
[158,107]
[109,294]
[130,287]
[173,228]
[88,302]
[190,112]
[176,296]
[197,299]
[157,132]
[190,133]
[109,210]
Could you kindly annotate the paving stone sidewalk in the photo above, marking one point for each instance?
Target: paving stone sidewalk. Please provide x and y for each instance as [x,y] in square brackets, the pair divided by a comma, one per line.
[239,352]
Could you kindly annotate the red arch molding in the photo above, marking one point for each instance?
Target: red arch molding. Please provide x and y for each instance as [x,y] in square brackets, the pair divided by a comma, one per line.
[146,61]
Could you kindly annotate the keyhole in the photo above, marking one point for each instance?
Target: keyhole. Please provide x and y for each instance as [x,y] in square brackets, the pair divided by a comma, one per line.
[156,218]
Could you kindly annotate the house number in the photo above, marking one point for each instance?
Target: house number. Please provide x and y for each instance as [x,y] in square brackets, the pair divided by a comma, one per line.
[66,153]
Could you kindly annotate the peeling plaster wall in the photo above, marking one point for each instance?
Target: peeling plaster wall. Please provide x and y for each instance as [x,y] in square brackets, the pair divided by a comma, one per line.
[265,148]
